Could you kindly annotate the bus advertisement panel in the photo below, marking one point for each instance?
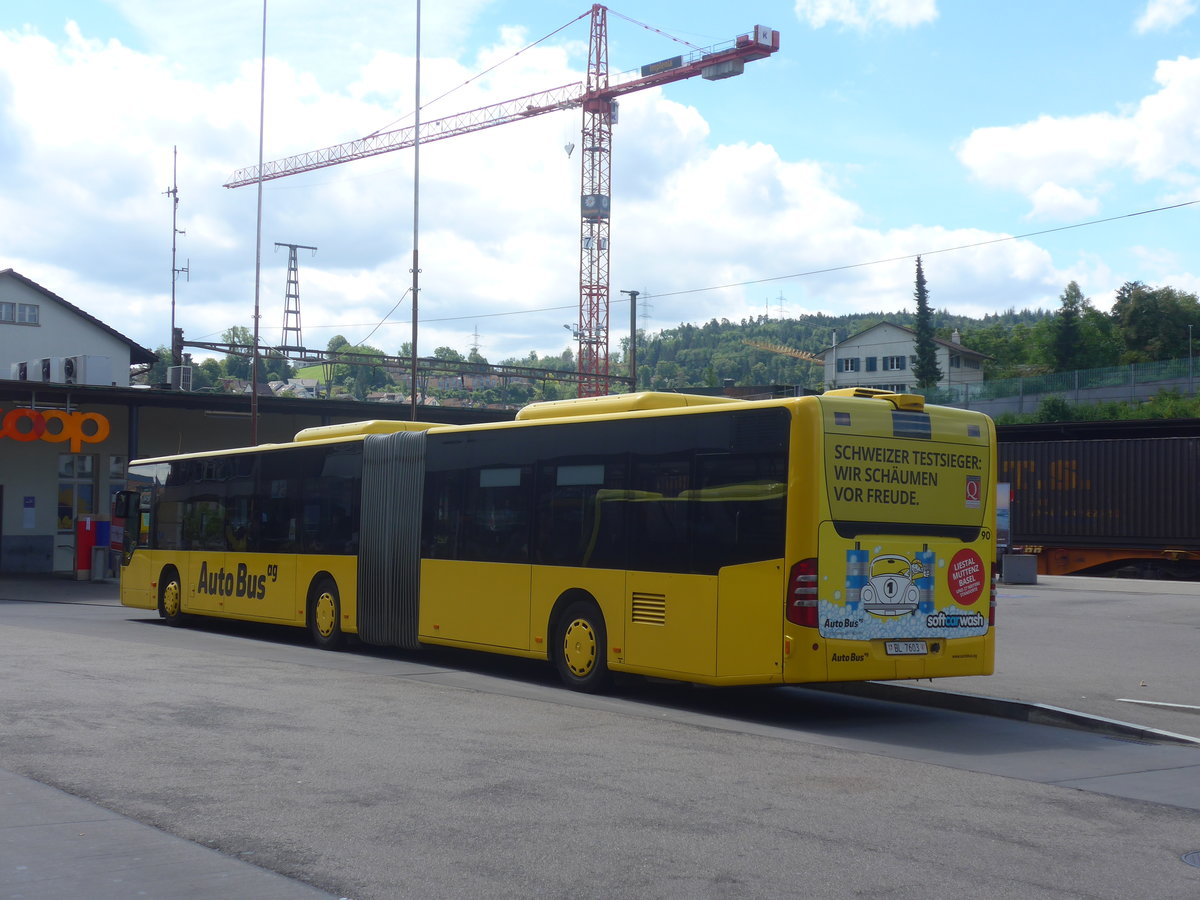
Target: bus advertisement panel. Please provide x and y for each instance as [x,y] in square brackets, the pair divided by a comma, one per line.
[907,553]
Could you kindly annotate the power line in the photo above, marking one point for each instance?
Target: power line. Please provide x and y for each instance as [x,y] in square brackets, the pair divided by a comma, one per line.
[842,268]
[891,259]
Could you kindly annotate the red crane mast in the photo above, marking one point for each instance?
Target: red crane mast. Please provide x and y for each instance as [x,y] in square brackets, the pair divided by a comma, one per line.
[596,98]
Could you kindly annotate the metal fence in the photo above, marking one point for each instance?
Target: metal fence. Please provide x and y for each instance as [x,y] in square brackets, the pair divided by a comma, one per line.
[1132,383]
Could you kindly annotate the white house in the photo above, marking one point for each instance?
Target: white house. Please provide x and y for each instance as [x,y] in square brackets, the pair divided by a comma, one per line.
[44,331]
[882,356]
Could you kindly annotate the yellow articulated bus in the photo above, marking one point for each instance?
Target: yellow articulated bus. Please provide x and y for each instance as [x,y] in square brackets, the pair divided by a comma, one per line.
[841,537]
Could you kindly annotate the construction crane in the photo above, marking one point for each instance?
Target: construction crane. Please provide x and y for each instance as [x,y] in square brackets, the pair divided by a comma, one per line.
[596,97]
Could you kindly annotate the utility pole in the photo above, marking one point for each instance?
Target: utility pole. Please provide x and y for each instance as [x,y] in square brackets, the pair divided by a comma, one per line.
[633,295]
[416,266]
[262,111]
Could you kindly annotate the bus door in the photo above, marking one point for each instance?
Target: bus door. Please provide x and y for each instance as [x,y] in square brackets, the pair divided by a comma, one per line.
[476,577]
[263,534]
[131,536]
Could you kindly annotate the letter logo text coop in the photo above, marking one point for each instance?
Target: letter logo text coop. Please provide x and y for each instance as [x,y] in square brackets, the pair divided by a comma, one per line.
[56,426]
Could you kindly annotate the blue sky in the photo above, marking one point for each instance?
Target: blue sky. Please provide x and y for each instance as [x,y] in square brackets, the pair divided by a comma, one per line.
[882,129]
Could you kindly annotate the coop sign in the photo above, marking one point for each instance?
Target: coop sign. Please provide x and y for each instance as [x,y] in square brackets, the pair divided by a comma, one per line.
[55,426]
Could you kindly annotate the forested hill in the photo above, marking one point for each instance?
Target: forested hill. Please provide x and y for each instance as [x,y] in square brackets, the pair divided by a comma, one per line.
[696,355]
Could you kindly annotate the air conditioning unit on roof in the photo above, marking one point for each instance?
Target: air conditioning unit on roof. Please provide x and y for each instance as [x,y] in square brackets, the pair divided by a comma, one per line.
[51,370]
[88,370]
[180,378]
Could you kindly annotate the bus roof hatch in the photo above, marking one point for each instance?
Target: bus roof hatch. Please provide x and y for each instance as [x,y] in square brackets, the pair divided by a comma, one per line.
[911,402]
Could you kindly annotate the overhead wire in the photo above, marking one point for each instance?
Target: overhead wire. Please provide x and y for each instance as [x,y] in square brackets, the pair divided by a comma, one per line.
[890,259]
[805,274]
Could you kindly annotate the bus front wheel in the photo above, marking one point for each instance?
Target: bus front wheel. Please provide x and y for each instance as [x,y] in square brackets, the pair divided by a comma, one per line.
[324,615]
[170,598]
[580,643]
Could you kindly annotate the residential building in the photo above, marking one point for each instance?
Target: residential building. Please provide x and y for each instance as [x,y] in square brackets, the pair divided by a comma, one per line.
[882,357]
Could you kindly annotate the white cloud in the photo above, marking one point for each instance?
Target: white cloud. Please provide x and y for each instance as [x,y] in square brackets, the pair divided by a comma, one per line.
[1053,201]
[1159,139]
[1163,15]
[866,13]
[86,136]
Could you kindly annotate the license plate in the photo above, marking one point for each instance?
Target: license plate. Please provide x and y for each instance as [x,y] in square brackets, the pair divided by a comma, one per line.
[906,648]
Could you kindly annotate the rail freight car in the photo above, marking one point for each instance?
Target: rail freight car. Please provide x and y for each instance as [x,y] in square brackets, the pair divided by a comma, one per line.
[1103,497]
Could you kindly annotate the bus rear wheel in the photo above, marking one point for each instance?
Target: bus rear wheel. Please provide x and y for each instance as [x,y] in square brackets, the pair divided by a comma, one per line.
[580,642]
[170,598]
[325,615]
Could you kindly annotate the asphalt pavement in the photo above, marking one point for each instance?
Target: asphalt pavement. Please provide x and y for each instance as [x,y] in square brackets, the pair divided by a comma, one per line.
[55,846]
[1093,671]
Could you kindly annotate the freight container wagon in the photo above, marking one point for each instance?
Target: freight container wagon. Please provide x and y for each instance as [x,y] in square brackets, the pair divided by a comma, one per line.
[1103,504]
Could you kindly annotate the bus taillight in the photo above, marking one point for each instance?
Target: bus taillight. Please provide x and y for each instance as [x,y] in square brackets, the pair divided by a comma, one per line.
[992,597]
[802,594]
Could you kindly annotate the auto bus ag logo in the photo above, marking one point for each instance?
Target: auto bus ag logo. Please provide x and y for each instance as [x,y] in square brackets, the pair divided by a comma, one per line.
[55,426]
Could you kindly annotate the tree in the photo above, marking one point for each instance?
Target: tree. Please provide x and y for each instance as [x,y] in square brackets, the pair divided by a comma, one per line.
[237,366]
[273,366]
[1153,321]
[925,369]
[1012,345]
[158,372]
[212,371]
[1066,330]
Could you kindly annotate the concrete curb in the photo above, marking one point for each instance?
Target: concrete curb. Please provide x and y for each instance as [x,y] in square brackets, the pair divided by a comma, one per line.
[1018,710]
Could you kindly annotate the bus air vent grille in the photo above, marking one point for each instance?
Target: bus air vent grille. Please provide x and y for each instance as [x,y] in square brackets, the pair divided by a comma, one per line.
[650,609]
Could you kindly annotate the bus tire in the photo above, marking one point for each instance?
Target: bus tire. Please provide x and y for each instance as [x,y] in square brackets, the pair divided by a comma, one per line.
[580,647]
[170,597]
[325,614]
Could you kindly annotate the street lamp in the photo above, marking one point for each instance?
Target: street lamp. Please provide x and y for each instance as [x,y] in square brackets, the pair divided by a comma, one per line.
[1191,382]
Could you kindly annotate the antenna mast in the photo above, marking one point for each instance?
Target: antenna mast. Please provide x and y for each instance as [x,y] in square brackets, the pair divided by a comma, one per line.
[173,193]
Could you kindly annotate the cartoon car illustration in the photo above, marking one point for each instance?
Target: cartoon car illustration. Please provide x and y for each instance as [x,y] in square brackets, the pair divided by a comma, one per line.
[890,590]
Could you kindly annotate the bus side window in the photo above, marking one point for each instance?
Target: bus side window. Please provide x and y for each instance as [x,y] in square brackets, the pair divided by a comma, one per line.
[659,530]
[567,516]
[739,510]
[240,534]
[443,510]
[330,488]
[496,514]
[162,506]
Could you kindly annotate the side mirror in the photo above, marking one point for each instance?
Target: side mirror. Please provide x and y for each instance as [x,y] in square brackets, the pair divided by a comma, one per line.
[125,505]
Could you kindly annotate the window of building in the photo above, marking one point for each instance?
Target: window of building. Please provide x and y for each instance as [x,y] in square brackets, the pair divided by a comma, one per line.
[972,363]
[955,361]
[848,364]
[871,360]
[76,489]
[20,313]
[893,363]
